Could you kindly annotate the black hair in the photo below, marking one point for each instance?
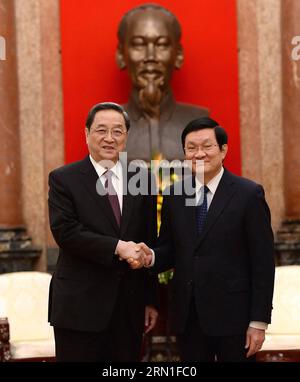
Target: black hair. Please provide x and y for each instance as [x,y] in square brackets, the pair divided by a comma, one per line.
[106,106]
[205,123]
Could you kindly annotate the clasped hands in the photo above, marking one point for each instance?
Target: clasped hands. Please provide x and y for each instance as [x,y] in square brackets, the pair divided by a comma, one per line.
[138,255]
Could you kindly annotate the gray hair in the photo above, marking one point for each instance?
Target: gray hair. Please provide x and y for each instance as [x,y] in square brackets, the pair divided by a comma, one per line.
[106,106]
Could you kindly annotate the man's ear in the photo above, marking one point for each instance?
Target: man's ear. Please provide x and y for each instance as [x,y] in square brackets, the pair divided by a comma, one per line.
[120,58]
[179,57]
[224,150]
[86,132]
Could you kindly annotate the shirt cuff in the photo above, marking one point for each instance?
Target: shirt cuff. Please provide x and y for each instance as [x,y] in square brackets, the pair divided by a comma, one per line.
[152,260]
[258,325]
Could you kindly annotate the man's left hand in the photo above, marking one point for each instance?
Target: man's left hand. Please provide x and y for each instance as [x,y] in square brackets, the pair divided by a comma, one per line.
[151,315]
[254,340]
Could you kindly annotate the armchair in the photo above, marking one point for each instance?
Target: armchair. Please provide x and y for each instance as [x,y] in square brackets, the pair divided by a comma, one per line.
[24,301]
[283,335]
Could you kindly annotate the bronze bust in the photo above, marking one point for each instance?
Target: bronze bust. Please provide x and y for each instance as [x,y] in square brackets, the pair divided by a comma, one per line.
[149,47]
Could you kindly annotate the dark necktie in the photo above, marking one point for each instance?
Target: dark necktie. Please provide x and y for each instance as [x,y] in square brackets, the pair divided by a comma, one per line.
[112,196]
[201,209]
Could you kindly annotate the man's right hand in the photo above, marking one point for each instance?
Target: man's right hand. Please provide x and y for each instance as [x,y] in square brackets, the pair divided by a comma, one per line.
[129,250]
[137,255]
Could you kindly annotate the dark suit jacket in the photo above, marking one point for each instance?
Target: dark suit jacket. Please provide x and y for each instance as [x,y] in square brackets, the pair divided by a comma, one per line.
[174,117]
[86,281]
[229,267]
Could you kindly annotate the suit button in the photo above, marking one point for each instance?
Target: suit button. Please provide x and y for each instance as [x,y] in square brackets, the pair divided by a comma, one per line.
[190,282]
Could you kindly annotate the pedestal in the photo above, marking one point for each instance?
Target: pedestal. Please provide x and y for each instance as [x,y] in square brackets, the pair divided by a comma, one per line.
[288,243]
[160,343]
[16,252]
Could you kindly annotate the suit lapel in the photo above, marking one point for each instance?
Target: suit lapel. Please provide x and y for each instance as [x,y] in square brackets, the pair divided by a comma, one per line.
[90,178]
[224,193]
[127,201]
[190,219]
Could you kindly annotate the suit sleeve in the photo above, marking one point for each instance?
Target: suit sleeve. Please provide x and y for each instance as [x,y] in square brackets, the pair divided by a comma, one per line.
[69,233]
[260,242]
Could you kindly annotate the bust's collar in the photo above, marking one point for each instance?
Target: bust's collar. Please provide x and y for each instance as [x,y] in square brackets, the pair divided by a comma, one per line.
[167,106]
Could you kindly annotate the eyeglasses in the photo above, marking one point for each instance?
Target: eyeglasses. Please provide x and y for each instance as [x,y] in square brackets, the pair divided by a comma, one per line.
[115,132]
[205,148]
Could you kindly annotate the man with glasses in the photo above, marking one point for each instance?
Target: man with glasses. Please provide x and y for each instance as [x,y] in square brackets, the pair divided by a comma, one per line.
[222,252]
[98,305]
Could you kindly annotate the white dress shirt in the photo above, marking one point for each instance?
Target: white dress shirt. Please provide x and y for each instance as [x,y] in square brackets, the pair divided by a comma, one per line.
[117,178]
[212,186]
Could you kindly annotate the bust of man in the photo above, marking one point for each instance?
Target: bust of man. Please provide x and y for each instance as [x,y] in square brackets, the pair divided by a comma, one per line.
[149,47]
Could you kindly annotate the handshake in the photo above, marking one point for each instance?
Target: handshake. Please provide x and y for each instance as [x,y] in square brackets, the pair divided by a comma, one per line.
[138,255]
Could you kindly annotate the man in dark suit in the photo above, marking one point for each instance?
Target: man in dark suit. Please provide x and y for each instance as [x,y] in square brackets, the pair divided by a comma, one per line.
[98,305]
[222,252]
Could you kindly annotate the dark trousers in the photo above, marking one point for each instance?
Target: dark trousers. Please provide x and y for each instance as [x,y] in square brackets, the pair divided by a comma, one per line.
[119,342]
[196,346]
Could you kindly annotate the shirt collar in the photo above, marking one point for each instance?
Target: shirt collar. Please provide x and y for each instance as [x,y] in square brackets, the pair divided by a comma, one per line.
[212,184]
[116,169]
